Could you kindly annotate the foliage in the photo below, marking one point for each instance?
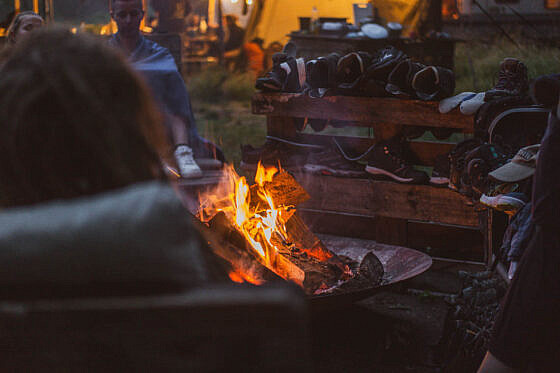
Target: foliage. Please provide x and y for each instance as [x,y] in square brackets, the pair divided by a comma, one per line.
[216,83]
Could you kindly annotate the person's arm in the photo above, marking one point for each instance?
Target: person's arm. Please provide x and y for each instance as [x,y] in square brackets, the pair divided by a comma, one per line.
[491,364]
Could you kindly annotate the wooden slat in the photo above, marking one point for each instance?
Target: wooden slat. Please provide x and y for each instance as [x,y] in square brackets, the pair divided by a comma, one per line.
[383,198]
[381,229]
[365,110]
[426,151]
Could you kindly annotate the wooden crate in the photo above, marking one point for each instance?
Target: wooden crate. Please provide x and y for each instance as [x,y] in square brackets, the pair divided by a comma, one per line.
[417,216]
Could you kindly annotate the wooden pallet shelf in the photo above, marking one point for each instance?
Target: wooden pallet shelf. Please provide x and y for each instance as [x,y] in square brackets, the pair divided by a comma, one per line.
[392,213]
[369,197]
[363,111]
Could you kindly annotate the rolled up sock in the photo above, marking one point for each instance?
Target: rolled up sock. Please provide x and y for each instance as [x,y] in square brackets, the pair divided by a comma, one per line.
[450,103]
[469,107]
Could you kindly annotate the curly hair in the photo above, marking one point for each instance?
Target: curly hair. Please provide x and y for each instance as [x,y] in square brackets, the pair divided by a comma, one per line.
[75,120]
[16,23]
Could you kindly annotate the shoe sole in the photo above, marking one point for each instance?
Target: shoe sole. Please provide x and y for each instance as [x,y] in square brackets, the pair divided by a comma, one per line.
[502,203]
[439,181]
[378,171]
[325,170]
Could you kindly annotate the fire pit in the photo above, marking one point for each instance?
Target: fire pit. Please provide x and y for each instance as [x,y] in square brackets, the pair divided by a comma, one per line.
[256,229]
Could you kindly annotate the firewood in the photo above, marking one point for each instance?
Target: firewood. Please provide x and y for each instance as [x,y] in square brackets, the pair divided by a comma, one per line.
[371,269]
[226,242]
[285,190]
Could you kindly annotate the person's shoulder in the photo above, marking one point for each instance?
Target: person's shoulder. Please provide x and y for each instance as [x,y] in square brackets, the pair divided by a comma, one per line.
[155,47]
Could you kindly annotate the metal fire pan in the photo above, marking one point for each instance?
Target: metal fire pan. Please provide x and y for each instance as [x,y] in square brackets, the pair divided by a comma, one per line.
[400,263]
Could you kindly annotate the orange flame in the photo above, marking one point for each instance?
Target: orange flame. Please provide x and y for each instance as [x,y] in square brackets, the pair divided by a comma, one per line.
[262,223]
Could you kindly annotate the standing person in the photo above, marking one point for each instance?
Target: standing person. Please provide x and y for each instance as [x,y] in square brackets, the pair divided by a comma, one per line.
[526,334]
[234,34]
[158,67]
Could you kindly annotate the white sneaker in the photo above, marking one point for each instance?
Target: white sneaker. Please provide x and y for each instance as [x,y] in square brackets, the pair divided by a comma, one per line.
[185,161]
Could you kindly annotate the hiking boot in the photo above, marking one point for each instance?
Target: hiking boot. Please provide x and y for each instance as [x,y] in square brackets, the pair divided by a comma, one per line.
[481,161]
[387,159]
[350,70]
[512,80]
[276,153]
[321,72]
[457,163]
[440,173]
[332,163]
[384,62]
[399,82]
[433,83]
[188,169]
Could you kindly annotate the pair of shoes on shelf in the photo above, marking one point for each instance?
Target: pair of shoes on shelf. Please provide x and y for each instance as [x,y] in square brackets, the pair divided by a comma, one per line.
[277,152]
[411,79]
[471,161]
[287,74]
[385,160]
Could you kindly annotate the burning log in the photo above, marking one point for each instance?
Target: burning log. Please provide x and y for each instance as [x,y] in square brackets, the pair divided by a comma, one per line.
[257,227]
[371,269]
[226,242]
[283,189]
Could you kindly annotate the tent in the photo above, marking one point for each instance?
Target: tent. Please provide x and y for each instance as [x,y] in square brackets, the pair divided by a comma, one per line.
[272,20]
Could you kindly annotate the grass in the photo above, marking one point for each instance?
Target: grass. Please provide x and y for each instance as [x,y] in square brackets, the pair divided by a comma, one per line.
[477,63]
[222,100]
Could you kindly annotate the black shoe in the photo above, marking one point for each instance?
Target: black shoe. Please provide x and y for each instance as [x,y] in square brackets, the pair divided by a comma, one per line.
[387,159]
[321,72]
[433,83]
[350,72]
[440,173]
[399,82]
[318,124]
[481,161]
[383,63]
[331,163]
[287,75]
[512,80]
[276,153]
[274,80]
[457,164]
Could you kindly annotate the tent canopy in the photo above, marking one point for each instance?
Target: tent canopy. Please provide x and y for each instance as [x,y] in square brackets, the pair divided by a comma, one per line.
[272,20]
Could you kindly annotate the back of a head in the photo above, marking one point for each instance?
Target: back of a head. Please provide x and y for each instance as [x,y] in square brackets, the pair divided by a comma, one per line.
[15,24]
[75,120]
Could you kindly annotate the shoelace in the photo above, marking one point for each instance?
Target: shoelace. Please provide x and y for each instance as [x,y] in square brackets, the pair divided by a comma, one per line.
[504,79]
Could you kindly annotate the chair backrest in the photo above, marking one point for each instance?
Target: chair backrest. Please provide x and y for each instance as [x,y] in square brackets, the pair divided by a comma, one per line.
[229,328]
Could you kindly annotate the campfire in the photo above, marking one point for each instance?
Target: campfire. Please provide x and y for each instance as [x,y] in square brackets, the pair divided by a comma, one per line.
[260,232]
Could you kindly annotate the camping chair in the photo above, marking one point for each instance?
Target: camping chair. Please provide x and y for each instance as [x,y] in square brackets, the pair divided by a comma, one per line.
[120,281]
[227,328]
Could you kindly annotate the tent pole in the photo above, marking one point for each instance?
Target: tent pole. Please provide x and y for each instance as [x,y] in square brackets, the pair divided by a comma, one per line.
[221,50]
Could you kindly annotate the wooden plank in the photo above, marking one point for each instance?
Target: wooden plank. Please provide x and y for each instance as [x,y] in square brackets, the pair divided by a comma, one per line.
[446,241]
[425,151]
[357,226]
[282,127]
[367,110]
[383,198]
